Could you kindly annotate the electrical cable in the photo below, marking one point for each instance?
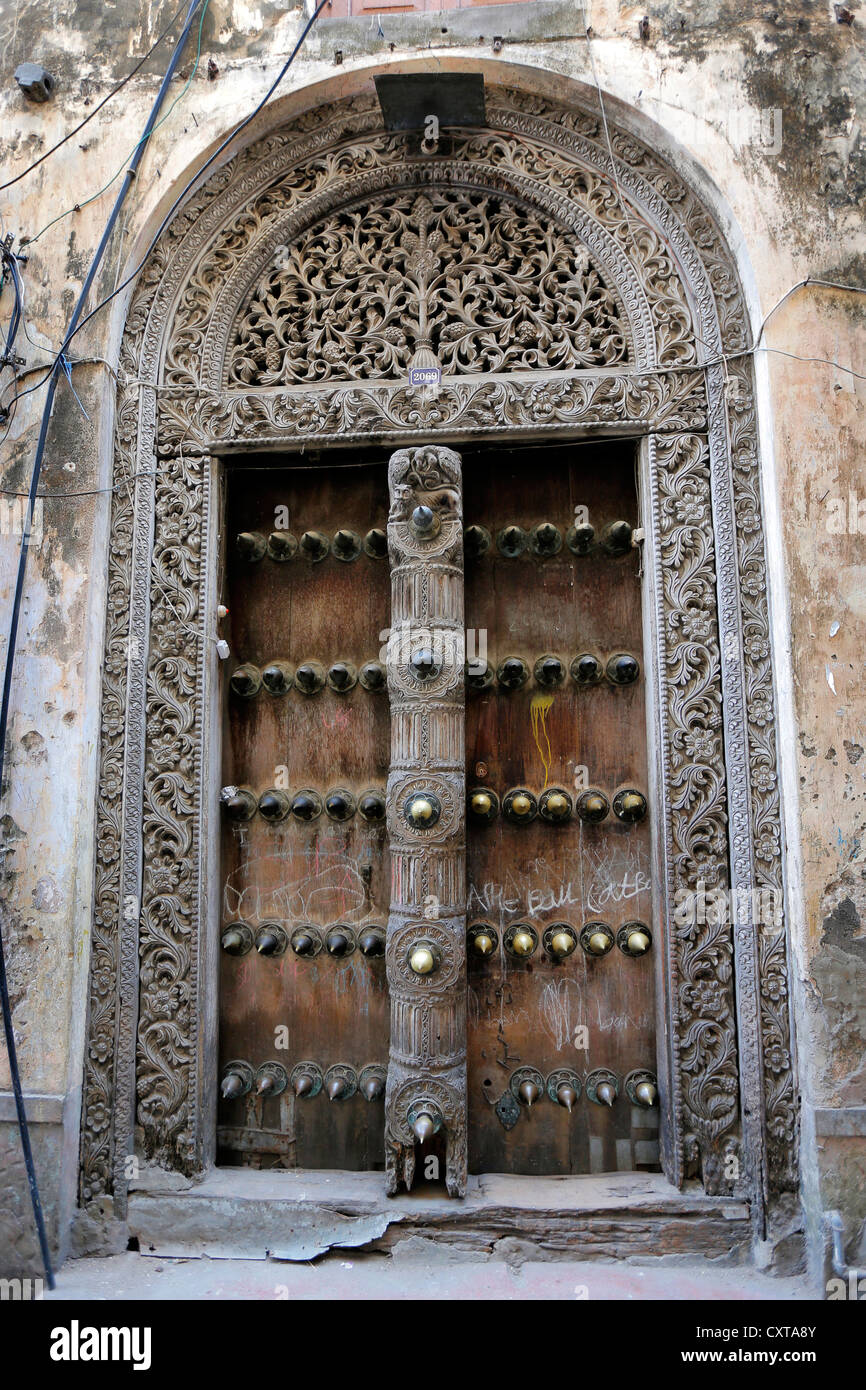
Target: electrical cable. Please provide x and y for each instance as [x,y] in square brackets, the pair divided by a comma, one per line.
[56,370]
[81,124]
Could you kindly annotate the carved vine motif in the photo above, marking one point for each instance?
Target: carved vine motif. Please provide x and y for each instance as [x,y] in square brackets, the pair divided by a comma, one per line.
[472,278]
[427,1067]
[663,263]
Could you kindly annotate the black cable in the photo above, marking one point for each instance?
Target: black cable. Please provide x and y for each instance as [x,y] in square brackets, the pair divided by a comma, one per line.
[81,124]
[55,374]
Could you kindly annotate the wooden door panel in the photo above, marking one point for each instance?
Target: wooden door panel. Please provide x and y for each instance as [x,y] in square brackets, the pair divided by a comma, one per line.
[529,1012]
[286,1008]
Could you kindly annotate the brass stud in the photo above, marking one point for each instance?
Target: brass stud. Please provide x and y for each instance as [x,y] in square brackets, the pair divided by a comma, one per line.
[549,671]
[521,940]
[278,678]
[423,959]
[592,806]
[646,1094]
[309,678]
[371,1083]
[622,669]
[422,810]
[237,1080]
[482,944]
[476,542]
[596,938]
[423,664]
[282,545]
[586,669]
[271,1079]
[371,807]
[376,544]
[529,1093]
[270,939]
[565,1096]
[340,804]
[478,679]
[339,942]
[371,942]
[579,539]
[337,1087]
[239,803]
[424,1127]
[616,538]
[340,1082]
[483,805]
[237,939]
[306,1080]
[306,941]
[606,1093]
[546,539]
[251,546]
[512,673]
[342,677]
[519,806]
[425,523]
[602,1086]
[512,541]
[634,938]
[274,805]
[629,806]
[303,1085]
[372,676]
[560,940]
[306,805]
[482,939]
[314,546]
[554,805]
[246,681]
[346,545]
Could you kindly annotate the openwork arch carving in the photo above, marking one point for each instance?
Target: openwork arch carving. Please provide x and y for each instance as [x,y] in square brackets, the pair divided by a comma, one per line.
[210,362]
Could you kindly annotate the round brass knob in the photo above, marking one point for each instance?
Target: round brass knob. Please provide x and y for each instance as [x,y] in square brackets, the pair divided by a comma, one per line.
[566,1096]
[557,805]
[424,1127]
[592,806]
[422,960]
[338,942]
[586,669]
[340,804]
[481,803]
[638,941]
[579,539]
[512,673]
[646,1093]
[622,669]
[346,545]
[251,545]
[596,938]
[549,671]
[482,944]
[372,676]
[521,942]
[282,545]
[554,806]
[246,681]
[371,807]
[629,806]
[562,943]
[376,543]
[314,546]
[546,539]
[606,1093]
[520,806]
[529,1093]
[425,522]
[277,678]
[422,810]
[598,943]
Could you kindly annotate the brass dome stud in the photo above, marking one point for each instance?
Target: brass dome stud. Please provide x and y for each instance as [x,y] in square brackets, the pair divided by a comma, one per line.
[622,669]
[616,538]
[237,939]
[482,939]
[521,940]
[309,678]
[251,546]
[271,940]
[371,807]
[629,806]
[371,942]
[634,939]
[371,1082]
[592,806]
[512,541]
[306,940]
[282,546]
[641,1087]
[340,804]
[271,1079]
[306,1080]
[546,539]
[596,938]
[519,806]
[423,664]
[512,673]
[422,810]
[425,523]
[563,1088]
[306,805]
[424,1127]
[372,676]
[554,806]
[278,678]
[274,805]
[549,671]
[478,679]
[340,1082]
[425,1120]
[476,542]
[602,1087]
[586,669]
[580,539]
[424,958]
[559,940]
[246,681]
[237,1079]
[339,941]
[483,805]
[346,546]
[314,546]
[239,803]
[342,677]
[526,1085]
[376,543]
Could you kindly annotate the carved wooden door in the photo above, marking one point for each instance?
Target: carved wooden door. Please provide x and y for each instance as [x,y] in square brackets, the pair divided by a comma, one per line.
[436,935]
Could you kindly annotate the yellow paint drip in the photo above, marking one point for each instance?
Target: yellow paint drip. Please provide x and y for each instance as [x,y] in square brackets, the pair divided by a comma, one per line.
[538,709]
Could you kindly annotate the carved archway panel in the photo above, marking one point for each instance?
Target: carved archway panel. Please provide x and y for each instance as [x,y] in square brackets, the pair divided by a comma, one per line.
[731,1088]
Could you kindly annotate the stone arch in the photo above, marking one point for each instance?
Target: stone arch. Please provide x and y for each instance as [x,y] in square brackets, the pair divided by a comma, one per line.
[675,298]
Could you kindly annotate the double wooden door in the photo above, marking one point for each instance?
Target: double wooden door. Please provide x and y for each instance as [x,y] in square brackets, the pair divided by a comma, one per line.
[549,954]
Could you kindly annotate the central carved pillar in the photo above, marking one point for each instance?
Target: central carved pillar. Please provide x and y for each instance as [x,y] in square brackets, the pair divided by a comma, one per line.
[426,946]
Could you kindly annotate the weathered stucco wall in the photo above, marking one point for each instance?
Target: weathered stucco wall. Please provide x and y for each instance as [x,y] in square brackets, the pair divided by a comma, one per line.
[769,105]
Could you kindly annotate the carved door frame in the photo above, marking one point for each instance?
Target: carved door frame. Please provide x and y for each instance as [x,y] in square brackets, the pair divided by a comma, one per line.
[725,1065]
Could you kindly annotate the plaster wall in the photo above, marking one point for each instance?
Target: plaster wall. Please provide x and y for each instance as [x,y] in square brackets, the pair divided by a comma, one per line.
[764,110]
